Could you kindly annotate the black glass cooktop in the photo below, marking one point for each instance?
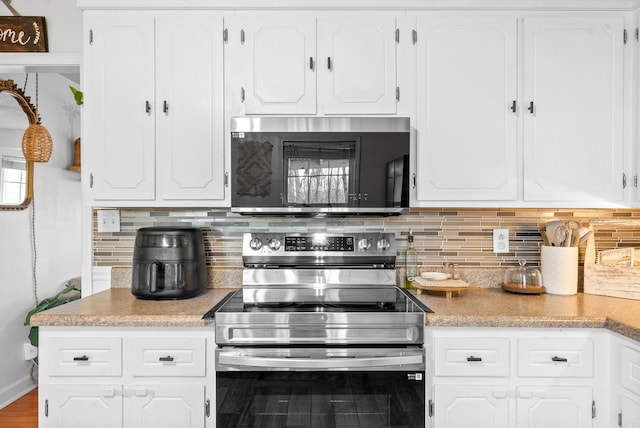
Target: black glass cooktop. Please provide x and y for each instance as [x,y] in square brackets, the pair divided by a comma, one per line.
[233,303]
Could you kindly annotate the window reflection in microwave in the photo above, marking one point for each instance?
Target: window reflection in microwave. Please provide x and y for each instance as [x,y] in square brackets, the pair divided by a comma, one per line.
[320,173]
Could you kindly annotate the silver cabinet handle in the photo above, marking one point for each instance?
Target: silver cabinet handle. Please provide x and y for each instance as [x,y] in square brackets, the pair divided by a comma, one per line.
[147,107]
[168,358]
[311,63]
[165,107]
[557,359]
[83,358]
[531,107]
[329,63]
[473,359]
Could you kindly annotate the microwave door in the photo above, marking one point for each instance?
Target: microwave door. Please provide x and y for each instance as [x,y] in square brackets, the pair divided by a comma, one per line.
[321,174]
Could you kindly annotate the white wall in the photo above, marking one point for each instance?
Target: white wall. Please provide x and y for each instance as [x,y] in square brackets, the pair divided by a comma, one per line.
[57,202]
[57,225]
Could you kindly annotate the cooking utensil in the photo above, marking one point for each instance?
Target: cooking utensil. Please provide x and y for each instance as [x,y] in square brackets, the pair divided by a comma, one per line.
[568,240]
[560,235]
[585,235]
[551,228]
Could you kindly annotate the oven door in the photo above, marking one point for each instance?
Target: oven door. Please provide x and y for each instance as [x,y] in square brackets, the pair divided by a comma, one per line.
[320,387]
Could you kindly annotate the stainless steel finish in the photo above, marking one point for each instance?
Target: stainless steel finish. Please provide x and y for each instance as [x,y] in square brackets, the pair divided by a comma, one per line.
[335,211]
[320,359]
[320,124]
[371,250]
[362,273]
[320,278]
[319,328]
[318,285]
[319,289]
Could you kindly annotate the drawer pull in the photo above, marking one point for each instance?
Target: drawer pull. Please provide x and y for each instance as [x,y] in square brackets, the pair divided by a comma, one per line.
[559,359]
[473,359]
[83,358]
[168,358]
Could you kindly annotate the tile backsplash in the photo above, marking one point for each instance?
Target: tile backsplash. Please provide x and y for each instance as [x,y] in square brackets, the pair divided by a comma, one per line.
[462,236]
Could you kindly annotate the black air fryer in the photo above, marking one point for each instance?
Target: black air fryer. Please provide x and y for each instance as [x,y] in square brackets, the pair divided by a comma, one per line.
[168,263]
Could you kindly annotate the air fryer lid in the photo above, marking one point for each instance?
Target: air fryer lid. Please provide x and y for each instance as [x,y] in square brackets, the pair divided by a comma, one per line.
[168,243]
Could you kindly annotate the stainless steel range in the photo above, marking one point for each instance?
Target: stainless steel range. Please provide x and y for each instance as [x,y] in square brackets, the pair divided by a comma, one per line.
[320,336]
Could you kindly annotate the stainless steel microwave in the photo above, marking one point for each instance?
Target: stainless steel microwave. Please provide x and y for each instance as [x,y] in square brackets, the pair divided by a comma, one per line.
[320,165]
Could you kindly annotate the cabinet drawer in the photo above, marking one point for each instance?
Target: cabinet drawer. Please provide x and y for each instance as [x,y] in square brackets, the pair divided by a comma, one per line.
[630,369]
[475,356]
[86,356]
[167,356]
[555,357]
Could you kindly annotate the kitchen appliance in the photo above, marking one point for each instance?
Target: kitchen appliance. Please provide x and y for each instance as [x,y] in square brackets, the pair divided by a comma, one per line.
[168,263]
[320,165]
[320,335]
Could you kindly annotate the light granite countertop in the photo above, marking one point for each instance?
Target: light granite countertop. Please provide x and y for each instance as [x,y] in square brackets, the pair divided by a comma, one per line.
[475,307]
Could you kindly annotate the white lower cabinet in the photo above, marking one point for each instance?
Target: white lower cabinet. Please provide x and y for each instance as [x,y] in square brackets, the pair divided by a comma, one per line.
[518,378]
[554,406]
[133,377]
[471,406]
[626,370]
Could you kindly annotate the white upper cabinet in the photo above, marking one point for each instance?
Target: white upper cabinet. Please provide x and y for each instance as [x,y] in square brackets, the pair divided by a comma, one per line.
[118,133]
[357,64]
[466,123]
[307,64]
[154,127]
[573,122]
[189,107]
[278,64]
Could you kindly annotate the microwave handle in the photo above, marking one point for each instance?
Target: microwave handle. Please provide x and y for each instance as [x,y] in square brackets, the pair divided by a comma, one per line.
[233,359]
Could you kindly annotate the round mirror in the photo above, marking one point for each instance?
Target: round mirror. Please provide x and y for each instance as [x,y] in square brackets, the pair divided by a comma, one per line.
[16,173]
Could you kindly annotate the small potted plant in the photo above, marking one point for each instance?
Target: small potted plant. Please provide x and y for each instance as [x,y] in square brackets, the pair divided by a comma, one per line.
[78,96]
[68,294]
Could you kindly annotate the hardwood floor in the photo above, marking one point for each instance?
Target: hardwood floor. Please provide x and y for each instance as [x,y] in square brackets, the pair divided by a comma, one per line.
[22,413]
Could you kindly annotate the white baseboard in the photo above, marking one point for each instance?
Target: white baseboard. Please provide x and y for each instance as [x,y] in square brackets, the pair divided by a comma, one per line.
[16,390]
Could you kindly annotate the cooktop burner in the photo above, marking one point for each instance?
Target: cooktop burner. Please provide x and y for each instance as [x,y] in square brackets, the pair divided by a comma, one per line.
[234,303]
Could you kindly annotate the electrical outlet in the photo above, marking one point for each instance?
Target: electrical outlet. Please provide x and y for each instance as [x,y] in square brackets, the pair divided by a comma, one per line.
[30,351]
[500,240]
[108,220]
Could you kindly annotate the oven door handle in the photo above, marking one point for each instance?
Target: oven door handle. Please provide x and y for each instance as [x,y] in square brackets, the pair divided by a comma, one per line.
[233,359]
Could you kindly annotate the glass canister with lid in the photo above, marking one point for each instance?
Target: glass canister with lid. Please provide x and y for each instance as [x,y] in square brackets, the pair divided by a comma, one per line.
[523,279]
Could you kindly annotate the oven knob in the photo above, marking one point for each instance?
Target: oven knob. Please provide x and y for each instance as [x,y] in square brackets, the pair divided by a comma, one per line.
[255,244]
[364,244]
[383,244]
[275,244]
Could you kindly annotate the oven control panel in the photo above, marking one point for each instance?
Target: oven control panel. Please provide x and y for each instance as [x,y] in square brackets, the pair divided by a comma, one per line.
[318,243]
[331,244]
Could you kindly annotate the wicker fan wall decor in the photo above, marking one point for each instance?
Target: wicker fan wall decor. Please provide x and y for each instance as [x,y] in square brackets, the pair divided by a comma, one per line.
[37,144]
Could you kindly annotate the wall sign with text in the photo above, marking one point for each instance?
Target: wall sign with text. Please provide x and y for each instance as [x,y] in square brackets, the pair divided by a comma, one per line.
[23,34]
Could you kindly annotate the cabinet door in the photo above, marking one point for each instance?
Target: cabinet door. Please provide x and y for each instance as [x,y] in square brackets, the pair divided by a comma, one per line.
[630,409]
[554,407]
[279,64]
[189,116]
[464,406]
[118,128]
[466,129]
[82,406]
[573,91]
[357,63]
[165,406]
